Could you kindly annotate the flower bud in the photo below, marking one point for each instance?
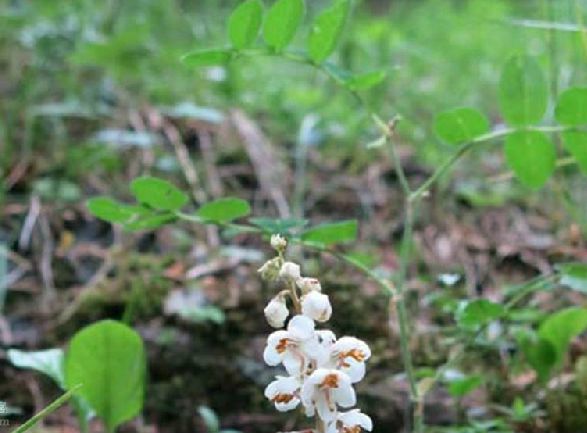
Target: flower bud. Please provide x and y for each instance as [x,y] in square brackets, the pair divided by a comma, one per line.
[278,243]
[290,271]
[316,306]
[307,284]
[276,312]
[270,270]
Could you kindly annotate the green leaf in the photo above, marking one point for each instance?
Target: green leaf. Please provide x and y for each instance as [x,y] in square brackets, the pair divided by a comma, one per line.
[148,221]
[158,193]
[282,22]
[110,210]
[244,24]
[575,143]
[326,31]
[224,210]
[571,108]
[201,58]
[108,358]
[365,81]
[532,157]
[332,233]
[540,354]
[49,362]
[463,386]
[277,225]
[574,275]
[478,312]
[523,92]
[461,125]
[561,327]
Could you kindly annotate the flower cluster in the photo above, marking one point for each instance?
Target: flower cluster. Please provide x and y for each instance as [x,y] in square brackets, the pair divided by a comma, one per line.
[321,369]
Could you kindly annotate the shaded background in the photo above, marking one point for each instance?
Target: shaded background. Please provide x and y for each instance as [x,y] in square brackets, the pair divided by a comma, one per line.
[92,94]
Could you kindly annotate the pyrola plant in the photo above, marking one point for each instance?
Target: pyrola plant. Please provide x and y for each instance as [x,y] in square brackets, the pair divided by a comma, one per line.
[320,369]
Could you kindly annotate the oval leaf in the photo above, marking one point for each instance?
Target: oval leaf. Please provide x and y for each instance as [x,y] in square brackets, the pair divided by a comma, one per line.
[200,58]
[561,327]
[110,210]
[108,358]
[461,125]
[575,143]
[224,210]
[366,80]
[571,108]
[326,31]
[523,92]
[462,386]
[158,193]
[478,312]
[531,155]
[244,23]
[332,233]
[282,22]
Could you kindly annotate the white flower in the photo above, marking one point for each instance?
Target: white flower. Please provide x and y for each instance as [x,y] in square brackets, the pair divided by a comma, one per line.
[316,306]
[276,312]
[290,271]
[353,421]
[324,390]
[284,393]
[307,284]
[278,242]
[287,347]
[349,354]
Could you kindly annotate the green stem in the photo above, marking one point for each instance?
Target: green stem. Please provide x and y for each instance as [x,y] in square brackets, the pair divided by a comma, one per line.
[51,408]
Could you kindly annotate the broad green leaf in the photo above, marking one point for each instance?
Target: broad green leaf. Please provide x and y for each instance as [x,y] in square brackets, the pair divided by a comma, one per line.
[523,91]
[224,210]
[332,233]
[574,275]
[463,386]
[244,23]
[108,358]
[365,81]
[49,362]
[200,58]
[461,125]
[282,22]
[532,157]
[561,327]
[541,355]
[110,210]
[575,143]
[158,193]
[326,31]
[571,108]
[277,225]
[478,312]
[148,221]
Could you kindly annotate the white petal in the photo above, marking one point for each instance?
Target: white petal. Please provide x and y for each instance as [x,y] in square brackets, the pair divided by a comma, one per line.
[348,344]
[276,312]
[290,271]
[354,369]
[331,427]
[316,306]
[301,327]
[284,407]
[356,417]
[294,362]
[270,354]
[344,394]
[326,412]
[307,284]
[284,386]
